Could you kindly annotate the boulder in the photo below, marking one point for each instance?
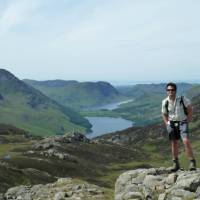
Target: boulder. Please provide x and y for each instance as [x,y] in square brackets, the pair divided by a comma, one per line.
[58,141]
[62,189]
[158,183]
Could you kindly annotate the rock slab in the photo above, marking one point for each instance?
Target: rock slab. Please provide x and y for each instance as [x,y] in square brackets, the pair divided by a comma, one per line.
[62,189]
[158,184]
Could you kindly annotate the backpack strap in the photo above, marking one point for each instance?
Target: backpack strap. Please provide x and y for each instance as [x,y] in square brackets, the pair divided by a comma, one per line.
[181,102]
[166,106]
[184,107]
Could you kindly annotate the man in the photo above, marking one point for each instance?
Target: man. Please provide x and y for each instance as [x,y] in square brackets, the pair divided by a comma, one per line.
[177,113]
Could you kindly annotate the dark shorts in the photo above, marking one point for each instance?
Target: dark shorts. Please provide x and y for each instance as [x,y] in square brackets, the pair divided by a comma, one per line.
[177,130]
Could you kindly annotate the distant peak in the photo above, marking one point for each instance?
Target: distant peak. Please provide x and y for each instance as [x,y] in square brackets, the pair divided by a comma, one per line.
[5,74]
[51,83]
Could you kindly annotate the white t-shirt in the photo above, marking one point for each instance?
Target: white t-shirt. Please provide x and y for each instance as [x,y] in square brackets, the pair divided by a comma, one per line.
[175,108]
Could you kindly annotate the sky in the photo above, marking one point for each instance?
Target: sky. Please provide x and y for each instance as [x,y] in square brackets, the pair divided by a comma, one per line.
[121,41]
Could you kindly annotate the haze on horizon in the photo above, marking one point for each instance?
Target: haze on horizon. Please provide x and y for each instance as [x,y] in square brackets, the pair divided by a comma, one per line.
[111,40]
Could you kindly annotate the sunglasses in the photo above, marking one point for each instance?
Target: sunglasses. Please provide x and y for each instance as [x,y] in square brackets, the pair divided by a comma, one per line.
[172,90]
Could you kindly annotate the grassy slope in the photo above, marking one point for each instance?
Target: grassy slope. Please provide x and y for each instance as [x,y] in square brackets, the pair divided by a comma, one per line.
[50,122]
[46,120]
[78,95]
[99,163]
[143,110]
[23,106]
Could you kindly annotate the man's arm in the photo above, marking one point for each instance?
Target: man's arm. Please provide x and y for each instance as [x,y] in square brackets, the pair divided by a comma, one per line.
[164,112]
[189,111]
[165,118]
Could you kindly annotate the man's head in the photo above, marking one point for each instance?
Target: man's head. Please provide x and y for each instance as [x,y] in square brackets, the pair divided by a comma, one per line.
[171,89]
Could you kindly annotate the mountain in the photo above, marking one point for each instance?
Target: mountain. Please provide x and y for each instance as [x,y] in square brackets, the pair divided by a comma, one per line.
[141,90]
[194,91]
[78,94]
[25,107]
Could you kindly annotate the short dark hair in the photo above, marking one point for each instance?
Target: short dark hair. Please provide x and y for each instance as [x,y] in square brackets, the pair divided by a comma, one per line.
[172,85]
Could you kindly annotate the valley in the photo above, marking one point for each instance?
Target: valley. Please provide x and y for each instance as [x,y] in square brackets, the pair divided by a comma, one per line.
[42,140]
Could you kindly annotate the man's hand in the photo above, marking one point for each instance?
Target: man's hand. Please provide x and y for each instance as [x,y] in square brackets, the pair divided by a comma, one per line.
[189,111]
[165,119]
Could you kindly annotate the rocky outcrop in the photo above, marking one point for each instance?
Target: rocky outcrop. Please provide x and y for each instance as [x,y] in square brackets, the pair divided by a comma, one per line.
[62,189]
[53,146]
[53,153]
[58,141]
[158,184]
[11,176]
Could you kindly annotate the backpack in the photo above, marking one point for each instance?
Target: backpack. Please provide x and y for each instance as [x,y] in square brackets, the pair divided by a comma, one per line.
[181,102]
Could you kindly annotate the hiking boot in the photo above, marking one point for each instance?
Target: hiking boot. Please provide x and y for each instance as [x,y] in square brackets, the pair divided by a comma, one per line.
[176,166]
[192,165]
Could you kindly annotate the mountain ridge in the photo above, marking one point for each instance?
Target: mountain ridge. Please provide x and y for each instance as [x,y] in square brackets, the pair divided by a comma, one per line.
[78,95]
[25,107]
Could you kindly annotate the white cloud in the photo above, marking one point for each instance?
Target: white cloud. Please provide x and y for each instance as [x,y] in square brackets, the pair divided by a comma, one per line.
[17,13]
[85,38]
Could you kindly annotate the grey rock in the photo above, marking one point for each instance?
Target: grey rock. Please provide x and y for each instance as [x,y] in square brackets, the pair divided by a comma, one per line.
[176,198]
[183,194]
[147,193]
[157,183]
[69,194]
[198,192]
[171,179]
[53,146]
[133,195]
[63,188]
[59,196]
[153,181]
[1,196]
[7,157]
[162,196]
[188,181]
[58,141]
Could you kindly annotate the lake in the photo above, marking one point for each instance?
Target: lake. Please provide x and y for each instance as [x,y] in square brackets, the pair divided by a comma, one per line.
[103,125]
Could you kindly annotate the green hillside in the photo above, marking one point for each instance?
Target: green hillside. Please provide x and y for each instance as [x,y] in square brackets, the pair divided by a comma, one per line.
[99,161]
[78,95]
[194,91]
[25,107]
[146,107]
[139,90]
